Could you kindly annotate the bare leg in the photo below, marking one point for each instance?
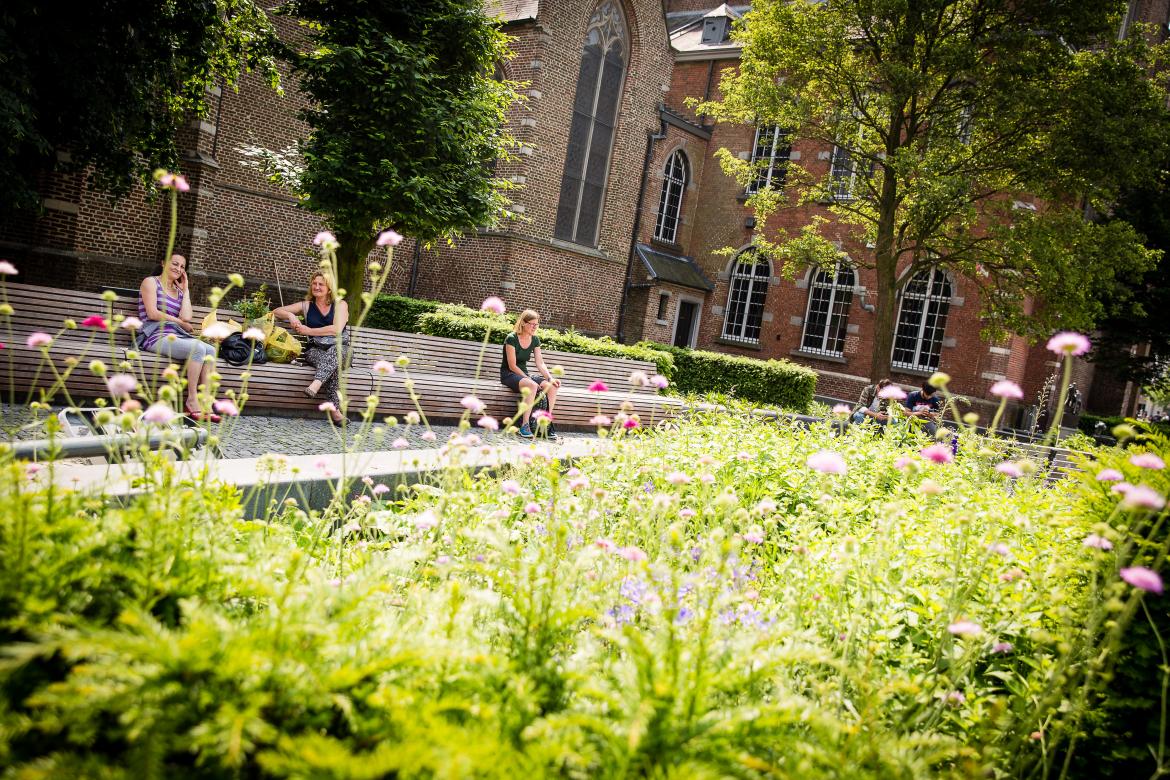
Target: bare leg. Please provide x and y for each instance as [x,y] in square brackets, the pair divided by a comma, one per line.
[533,389]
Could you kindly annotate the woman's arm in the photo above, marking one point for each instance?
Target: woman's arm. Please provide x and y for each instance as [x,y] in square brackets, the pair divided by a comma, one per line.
[340,319]
[289,313]
[149,294]
[510,357]
[541,367]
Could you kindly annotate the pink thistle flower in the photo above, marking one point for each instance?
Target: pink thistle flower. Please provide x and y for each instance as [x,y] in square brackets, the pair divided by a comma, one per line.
[903,462]
[605,545]
[1109,475]
[389,238]
[428,436]
[1005,388]
[1147,460]
[158,414]
[217,331]
[939,453]
[600,420]
[639,379]
[743,455]
[425,520]
[384,367]
[1121,488]
[531,508]
[180,184]
[766,506]
[1143,579]
[1001,647]
[1009,469]
[687,513]
[321,464]
[842,410]
[325,239]
[493,304]
[327,406]
[632,553]
[1098,542]
[630,423]
[1011,575]
[488,423]
[677,478]
[892,393]
[379,489]
[131,405]
[754,536]
[598,387]
[131,323]
[7,268]
[1069,343]
[472,404]
[32,469]
[930,488]
[511,487]
[540,415]
[226,407]
[253,334]
[826,462]
[1000,549]
[121,384]
[1142,497]
[956,698]
[707,478]
[965,628]
[400,443]
[659,381]
[576,483]
[95,321]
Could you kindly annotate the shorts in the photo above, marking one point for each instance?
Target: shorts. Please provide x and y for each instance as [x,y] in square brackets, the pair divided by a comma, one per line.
[512,380]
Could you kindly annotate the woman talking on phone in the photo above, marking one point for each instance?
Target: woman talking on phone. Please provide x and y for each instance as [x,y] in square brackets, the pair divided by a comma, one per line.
[164,306]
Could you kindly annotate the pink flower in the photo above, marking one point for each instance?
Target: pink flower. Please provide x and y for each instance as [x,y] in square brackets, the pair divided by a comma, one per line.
[903,462]
[425,520]
[389,238]
[325,239]
[600,420]
[826,462]
[253,334]
[754,536]
[1143,579]
[842,410]
[766,506]
[632,553]
[605,545]
[598,387]
[7,268]
[956,698]
[965,628]
[677,478]
[1009,469]
[217,331]
[1109,475]
[531,508]
[1011,575]
[1069,343]
[180,183]
[930,488]
[427,436]
[1148,460]
[32,469]
[121,384]
[892,393]
[1142,497]
[493,304]
[630,423]
[226,407]
[1098,542]
[1001,647]
[400,443]
[540,415]
[687,513]
[327,406]
[1000,549]
[472,404]
[384,367]
[511,487]
[1005,388]
[131,323]
[659,381]
[380,489]
[158,413]
[639,379]
[95,321]
[488,423]
[939,453]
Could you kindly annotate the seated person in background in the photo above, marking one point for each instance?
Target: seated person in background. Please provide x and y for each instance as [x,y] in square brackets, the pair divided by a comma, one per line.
[925,404]
[325,326]
[164,306]
[521,344]
[870,406]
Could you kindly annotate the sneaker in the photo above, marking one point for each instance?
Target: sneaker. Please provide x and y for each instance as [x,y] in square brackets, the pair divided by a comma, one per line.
[525,431]
[552,433]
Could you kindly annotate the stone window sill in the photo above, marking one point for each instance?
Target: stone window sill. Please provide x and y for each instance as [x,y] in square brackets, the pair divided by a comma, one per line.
[753,345]
[800,353]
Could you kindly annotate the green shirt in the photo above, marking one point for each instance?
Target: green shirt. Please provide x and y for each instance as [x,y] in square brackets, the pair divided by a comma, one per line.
[522,354]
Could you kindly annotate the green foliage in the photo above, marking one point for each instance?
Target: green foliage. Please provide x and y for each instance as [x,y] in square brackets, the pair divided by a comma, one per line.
[460,322]
[776,382]
[398,312]
[1088,423]
[112,82]
[254,306]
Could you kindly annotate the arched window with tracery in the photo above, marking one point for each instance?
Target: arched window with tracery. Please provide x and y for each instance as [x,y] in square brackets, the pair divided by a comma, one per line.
[745,299]
[674,184]
[922,319]
[591,132]
[827,318]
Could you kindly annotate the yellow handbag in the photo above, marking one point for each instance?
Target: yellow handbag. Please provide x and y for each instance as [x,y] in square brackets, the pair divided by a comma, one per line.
[282,346]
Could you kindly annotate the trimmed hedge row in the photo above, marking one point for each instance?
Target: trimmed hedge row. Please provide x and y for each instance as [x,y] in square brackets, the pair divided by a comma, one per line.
[397,312]
[1089,421]
[460,322]
[777,382]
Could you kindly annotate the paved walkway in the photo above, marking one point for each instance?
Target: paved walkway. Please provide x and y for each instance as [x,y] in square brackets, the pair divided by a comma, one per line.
[250,436]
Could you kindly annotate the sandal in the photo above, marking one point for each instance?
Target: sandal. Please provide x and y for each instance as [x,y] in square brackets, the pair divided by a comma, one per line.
[198,415]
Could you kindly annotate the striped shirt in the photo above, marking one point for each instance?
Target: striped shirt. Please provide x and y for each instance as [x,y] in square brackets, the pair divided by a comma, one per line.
[166,304]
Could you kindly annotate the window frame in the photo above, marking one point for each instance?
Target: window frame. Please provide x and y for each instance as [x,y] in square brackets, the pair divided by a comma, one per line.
[773,176]
[837,292]
[752,284]
[672,185]
[935,276]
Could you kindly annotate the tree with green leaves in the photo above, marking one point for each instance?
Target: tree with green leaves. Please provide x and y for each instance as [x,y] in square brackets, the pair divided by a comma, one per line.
[406,120]
[968,135]
[110,82]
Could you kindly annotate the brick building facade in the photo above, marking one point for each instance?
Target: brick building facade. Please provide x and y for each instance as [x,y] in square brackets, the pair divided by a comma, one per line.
[619,218]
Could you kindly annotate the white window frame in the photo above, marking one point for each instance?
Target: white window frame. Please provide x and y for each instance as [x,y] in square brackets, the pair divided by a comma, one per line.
[943,300]
[735,331]
[835,294]
[666,228]
[773,175]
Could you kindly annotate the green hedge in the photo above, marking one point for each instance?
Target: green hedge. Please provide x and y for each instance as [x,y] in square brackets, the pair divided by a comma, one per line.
[397,312]
[777,382]
[460,322]
[1089,421]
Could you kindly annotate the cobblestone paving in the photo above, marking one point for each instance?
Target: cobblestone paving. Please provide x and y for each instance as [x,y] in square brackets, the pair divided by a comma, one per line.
[250,436]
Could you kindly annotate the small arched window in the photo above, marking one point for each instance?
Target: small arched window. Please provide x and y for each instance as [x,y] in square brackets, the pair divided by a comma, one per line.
[827,318]
[745,299]
[674,184]
[922,319]
[591,132]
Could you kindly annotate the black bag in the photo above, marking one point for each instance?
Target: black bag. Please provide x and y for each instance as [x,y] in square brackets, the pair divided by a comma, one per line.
[237,350]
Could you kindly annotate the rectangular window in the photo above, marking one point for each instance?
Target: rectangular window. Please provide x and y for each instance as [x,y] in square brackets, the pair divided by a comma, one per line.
[770,155]
[663,303]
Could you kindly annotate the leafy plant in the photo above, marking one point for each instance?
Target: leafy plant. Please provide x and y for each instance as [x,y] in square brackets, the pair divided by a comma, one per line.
[254,306]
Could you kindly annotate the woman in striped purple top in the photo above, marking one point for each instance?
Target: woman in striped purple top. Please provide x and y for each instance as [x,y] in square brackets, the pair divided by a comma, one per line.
[164,306]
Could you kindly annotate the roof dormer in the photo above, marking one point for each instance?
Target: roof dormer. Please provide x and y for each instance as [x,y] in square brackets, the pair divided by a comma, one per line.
[717,25]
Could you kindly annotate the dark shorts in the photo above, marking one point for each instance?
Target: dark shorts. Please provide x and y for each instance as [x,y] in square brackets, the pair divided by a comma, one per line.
[512,380]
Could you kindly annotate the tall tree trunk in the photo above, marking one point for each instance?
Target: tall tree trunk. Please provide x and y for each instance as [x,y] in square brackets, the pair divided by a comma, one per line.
[351,265]
[886,257]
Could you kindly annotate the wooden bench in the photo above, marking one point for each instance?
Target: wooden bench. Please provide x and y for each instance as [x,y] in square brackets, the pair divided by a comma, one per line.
[443,370]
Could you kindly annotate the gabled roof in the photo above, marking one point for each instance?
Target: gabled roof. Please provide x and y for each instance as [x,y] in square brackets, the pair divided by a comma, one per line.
[665,267]
[512,10]
[686,33]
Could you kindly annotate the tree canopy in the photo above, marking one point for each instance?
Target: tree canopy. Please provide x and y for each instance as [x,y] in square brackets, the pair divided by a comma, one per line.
[406,119]
[970,135]
[109,82]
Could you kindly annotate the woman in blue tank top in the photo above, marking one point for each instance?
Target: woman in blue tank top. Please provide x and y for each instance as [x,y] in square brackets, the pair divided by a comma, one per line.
[325,324]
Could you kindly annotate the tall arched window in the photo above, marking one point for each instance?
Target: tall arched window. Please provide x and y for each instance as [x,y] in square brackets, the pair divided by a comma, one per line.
[670,207]
[922,319]
[745,300]
[595,108]
[827,319]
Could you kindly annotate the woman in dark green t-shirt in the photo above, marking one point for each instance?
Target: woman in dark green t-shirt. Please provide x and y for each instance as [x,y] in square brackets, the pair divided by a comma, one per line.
[519,346]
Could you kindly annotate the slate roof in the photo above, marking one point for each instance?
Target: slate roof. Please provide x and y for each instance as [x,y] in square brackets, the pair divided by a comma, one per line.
[665,267]
[512,10]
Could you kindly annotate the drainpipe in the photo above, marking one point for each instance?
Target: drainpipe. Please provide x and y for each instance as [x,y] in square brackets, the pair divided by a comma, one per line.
[413,283]
[650,139]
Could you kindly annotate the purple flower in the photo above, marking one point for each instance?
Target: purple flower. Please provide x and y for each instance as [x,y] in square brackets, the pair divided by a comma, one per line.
[389,238]
[158,413]
[1142,578]
[1109,475]
[659,381]
[1005,388]
[965,628]
[939,453]
[1142,497]
[472,404]
[632,553]
[226,407]
[1009,469]
[493,304]
[826,462]
[121,384]
[1001,647]
[754,536]
[510,487]
[1148,460]
[633,589]
[1098,542]
[1069,343]
[488,423]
